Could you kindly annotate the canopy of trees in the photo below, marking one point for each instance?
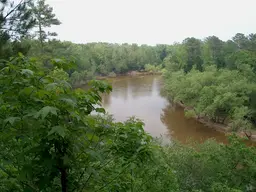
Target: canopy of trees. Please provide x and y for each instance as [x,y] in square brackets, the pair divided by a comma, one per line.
[102,58]
[216,79]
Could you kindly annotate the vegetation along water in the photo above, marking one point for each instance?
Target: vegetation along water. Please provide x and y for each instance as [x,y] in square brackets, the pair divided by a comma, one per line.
[57,137]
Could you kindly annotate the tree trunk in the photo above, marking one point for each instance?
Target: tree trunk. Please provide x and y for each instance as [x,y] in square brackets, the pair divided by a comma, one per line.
[40,29]
[41,35]
[64,180]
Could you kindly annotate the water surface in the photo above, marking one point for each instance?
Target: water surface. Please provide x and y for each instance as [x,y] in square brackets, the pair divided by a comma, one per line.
[140,97]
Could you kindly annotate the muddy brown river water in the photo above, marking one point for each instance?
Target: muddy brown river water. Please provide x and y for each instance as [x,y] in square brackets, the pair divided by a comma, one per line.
[140,97]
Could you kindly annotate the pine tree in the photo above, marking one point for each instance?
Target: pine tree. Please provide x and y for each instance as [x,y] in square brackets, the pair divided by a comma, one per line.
[45,17]
[15,22]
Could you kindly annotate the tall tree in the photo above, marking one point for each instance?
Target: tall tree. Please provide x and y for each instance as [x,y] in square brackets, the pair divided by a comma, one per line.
[252,41]
[241,40]
[194,55]
[215,49]
[15,22]
[45,17]
[161,50]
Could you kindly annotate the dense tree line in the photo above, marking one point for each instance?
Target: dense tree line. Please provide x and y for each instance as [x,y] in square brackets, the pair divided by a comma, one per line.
[216,79]
[50,140]
[102,58]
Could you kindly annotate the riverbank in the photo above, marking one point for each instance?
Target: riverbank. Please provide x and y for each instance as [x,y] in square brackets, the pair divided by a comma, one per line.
[130,73]
[250,134]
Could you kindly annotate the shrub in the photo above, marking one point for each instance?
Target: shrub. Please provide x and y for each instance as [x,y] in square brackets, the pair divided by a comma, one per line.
[112,74]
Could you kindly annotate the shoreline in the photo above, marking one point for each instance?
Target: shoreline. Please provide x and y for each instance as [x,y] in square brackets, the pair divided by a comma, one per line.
[251,135]
[130,73]
[224,128]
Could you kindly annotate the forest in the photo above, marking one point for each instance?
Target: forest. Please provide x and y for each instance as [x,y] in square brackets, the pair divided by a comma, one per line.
[215,79]
[100,59]
[50,139]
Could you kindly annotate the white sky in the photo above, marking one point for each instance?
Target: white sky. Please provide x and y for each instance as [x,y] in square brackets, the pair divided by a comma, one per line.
[152,21]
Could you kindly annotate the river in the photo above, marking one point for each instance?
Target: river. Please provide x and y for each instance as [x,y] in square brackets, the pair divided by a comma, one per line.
[140,96]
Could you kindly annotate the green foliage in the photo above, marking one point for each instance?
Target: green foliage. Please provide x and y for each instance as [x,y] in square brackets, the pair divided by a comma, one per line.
[44,17]
[153,68]
[213,167]
[218,187]
[100,59]
[213,51]
[190,113]
[59,74]
[194,55]
[79,78]
[112,74]
[50,141]
[15,22]
[222,88]
[15,19]
[216,94]
[40,117]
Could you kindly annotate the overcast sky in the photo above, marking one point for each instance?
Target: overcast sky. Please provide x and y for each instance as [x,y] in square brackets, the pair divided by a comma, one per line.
[152,21]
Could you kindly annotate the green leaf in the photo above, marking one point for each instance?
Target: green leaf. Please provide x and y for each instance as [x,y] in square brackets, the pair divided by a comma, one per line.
[45,111]
[92,137]
[59,130]
[100,110]
[51,86]
[94,154]
[27,72]
[20,54]
[11,120]
[42,93]
[68,101]
[27,91]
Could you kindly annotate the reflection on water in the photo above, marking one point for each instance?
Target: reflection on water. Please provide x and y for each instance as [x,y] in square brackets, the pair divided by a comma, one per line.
[140,97]
[182,128]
